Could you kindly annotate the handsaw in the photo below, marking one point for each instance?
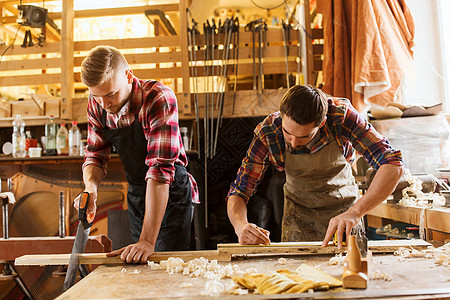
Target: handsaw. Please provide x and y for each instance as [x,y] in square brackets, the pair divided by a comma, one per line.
[84,227]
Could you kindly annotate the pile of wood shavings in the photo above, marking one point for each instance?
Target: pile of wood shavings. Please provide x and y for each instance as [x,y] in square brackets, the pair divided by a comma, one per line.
[440,255]
[202,267]
[413,195]
[338,259]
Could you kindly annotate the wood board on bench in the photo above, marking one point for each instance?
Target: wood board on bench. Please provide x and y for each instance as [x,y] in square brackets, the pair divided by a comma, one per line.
[311,248]
[225,252]
[102,259]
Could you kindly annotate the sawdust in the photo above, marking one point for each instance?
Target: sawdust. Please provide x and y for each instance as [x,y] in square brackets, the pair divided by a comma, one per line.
[440,255]
[379,275]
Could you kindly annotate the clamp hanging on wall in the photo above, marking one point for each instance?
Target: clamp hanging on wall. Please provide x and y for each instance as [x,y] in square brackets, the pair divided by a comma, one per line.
[28,39]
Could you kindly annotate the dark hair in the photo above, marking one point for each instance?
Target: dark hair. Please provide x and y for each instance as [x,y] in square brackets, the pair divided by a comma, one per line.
[304,104]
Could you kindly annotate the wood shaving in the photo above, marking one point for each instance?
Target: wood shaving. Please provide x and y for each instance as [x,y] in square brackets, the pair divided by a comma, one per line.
[135,271]
[213,288]
[440,255]
[338,259]
[379,275]
[282,261]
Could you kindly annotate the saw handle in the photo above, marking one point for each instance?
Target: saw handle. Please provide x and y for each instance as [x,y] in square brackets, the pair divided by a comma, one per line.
[85,218]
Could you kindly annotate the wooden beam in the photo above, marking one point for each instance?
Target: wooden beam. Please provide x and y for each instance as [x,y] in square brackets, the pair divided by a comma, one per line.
[101,259]
[186,96]
[67,62]
[45,63]
[104,12]
[160,41]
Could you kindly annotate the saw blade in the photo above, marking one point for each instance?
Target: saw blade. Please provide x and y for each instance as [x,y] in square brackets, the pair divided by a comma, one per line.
[78,248]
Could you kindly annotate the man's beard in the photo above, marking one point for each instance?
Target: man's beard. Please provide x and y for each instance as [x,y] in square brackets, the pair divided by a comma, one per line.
[116,108]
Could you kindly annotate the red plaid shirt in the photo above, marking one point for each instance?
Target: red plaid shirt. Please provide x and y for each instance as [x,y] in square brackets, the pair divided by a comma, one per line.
[156,106]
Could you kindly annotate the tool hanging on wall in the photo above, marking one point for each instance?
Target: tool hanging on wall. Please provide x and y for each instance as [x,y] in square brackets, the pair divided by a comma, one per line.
[192,32]
[206,29]
[211,97]
[28,39]
[229,30]
[236,60]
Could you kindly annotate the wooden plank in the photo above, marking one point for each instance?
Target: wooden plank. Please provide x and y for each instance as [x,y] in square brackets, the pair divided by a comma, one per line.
[310,248]
[439,219]
[30,79]
[159,41]
[101,259]
[67,64]
[406,214]
[18,50]
[102,12]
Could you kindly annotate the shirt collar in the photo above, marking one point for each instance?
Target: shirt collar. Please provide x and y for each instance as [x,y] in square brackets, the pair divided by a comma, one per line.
[134,103]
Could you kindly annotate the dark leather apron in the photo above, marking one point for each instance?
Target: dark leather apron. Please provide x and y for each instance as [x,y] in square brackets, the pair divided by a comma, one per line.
[131,145]
[319,186]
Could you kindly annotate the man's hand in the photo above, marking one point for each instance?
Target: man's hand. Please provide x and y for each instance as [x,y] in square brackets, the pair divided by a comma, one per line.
[134,253]
[250,234]
[92,206]
[345,221]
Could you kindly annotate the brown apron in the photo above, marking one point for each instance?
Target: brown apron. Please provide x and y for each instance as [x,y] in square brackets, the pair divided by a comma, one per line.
[319,186]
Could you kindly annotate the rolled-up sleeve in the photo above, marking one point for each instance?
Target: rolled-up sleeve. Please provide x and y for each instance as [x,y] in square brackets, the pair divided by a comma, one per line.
[161,130]
[252,169]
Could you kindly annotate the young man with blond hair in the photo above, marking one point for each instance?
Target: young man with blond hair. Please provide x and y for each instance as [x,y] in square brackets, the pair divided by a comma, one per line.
[313,139]
[140,119]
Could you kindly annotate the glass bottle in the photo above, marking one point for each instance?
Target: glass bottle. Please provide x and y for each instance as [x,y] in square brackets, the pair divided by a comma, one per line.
[18,137]
[62,140]
[51,129]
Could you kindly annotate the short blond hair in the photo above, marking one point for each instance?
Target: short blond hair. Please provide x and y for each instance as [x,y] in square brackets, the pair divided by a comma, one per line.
[100,65]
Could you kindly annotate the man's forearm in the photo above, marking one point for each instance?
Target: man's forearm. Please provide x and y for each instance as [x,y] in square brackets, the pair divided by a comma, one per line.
[381,187]
[156,198]
[92,176]
[237,211]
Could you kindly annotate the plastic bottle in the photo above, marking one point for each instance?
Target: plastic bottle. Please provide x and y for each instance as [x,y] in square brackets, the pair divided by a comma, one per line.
[51,129]
[18,137]
[185,137]
[62,140]
[74,139]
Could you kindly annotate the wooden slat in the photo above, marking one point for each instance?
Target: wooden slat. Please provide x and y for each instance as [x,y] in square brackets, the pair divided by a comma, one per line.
[30,64]
[310,248]
[103,12]
[317,49]
[18,50]
[30,79]
[101,259]
[317,33]
[159,41]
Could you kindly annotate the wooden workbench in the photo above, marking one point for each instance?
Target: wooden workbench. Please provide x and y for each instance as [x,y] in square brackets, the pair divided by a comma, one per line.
[415,278]
[436,221]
